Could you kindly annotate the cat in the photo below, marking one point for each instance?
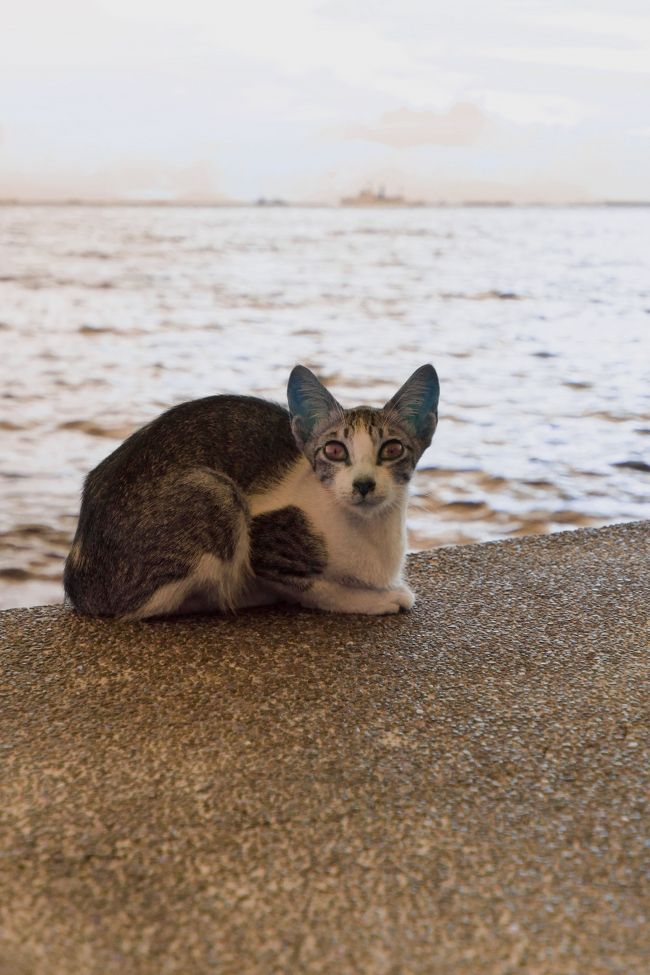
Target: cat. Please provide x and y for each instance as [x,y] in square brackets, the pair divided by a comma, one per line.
[233,501]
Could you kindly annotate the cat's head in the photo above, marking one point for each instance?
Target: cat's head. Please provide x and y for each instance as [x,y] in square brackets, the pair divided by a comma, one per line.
[364,456]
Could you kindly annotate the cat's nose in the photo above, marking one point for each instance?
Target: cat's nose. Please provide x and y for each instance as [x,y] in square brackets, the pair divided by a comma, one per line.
[364,486]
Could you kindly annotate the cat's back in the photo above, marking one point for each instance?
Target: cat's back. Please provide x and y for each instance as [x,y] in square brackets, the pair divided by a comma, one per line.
[245,437]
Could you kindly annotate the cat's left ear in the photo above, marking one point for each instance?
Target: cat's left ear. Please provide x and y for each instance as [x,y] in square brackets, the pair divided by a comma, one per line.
[310,404]
[415,405]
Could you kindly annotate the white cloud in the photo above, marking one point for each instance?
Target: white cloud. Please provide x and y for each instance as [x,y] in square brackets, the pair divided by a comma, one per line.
[590,58]
[529,108]
[461,125]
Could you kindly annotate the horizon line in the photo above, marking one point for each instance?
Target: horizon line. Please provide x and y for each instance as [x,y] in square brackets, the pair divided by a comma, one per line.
[278,203]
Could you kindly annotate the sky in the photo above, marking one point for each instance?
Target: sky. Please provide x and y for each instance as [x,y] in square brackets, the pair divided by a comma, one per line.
[208,100]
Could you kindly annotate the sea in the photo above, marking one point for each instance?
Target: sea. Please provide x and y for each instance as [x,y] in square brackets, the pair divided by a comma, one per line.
[536,319]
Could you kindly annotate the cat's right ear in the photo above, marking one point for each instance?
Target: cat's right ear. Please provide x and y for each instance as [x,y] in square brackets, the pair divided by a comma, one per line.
[310,404]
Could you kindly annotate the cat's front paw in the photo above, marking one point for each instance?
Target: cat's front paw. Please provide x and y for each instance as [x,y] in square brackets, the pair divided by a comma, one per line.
[396,600]
[406,597]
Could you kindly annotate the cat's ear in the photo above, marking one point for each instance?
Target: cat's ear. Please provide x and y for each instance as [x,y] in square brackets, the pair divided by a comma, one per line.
[310,404]
[415,405]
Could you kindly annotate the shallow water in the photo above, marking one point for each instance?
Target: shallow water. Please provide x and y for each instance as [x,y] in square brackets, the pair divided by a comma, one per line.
[536,320]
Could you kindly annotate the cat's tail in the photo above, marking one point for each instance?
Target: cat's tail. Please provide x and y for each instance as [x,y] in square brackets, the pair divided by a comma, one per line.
[185,548]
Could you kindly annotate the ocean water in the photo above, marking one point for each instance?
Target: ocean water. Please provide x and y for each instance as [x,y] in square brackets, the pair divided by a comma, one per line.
[536,320]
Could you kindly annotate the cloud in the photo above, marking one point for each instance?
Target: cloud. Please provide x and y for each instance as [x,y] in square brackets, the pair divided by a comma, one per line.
[127,179]
[462,125]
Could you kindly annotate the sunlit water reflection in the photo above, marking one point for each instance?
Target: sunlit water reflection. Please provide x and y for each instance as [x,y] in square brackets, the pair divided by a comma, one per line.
[536,320]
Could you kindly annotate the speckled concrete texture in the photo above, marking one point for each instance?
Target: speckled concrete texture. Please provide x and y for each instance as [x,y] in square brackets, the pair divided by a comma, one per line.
[457,791]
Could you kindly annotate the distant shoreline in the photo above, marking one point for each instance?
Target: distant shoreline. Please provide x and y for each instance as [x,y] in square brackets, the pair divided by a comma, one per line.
[238,205]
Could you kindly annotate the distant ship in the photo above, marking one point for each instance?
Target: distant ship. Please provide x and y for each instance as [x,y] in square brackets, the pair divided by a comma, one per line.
[367,198]
[264,201]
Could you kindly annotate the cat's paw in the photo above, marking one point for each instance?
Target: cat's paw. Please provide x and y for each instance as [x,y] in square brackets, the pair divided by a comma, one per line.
[406,597]
[396,600]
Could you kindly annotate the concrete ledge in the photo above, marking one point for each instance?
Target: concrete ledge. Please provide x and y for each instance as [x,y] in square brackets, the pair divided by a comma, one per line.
[457,791]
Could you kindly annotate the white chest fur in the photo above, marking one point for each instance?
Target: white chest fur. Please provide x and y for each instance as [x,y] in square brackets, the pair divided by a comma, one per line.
[369,548]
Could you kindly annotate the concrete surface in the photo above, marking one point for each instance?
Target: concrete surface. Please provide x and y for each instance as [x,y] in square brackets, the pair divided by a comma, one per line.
[460,790]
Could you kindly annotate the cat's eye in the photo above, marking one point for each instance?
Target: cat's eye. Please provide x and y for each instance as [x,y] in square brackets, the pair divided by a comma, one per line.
[334,450]
[391,450]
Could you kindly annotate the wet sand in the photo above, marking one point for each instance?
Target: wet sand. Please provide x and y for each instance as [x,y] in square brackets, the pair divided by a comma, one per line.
[457,790]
